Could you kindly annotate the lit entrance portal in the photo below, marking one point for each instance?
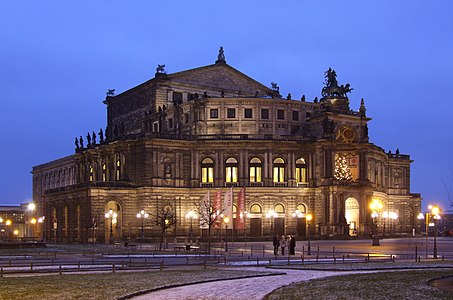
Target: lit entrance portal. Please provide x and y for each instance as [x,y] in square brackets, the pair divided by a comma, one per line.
[113,217]
[352,215]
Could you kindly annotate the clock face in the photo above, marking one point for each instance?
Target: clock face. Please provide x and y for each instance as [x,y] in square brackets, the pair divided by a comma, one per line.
[345,135]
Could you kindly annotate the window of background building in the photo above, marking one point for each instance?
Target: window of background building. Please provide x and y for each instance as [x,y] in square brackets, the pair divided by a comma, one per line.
[231,170]
[118,169]
[264,113]
[279,170]
[231,113]
[207,170]
[91,173]
[214,113]
[255,168]
[295,115]
[170,123]
[280,114]
[104,172]
[248,113]
[177,98]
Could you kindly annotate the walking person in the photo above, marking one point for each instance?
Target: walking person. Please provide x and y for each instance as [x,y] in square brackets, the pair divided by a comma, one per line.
[283,244]
[276,243]
[292,245]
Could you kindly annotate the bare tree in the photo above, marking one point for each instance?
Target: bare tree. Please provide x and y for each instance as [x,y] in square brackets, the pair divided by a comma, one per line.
[209,217]
[164,219]
[448,185]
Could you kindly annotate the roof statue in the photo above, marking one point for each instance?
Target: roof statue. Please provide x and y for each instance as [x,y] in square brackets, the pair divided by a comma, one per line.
[160,69]
[332,89]
[221,56]
[110,92]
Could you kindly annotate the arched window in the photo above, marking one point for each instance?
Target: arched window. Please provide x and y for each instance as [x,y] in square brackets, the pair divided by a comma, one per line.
[91,170]
[255,167]
[255,209]
[104,172]
[301,208]
[279,170]
[301,171]
[231,170]
[207,170]
[279,208]
[118,168]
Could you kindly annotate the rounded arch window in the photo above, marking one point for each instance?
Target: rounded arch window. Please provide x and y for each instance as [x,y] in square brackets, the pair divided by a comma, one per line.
[255,209]
[231,170]
[279,208]
[279,170]
[207,170]
[301,208]
[255,169]
[301,170]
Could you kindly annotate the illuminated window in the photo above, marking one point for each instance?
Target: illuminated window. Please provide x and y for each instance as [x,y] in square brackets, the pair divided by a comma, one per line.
[207,170]
[104,172]
[301,170]
[301,208]
[255,209]
[91,173]
[279,170]
[231,170]
[255,168]
[118,169]
[279,208]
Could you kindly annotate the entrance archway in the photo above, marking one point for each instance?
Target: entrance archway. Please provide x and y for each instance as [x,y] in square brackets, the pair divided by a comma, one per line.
[113,221]
[352,215]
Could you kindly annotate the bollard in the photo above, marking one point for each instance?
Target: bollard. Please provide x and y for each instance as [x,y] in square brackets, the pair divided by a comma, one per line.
[303,249]
[187,260]
[257,261]
[343,258]
[333,252]
[443,258]
[1,272]
[419,258]
[334,260]
[31,267]
[317,258]
[302,258]
[368,258]
[59,270]
[251,250]
[288,259]
[92,261]
[263,250]
[224,260]
[162,265]
[79,265]
[113,268]
[416,253]
[270,262]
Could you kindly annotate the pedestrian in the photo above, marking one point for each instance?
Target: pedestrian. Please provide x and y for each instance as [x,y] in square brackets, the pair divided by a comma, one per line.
[283,244]
[292,244]
[276,244]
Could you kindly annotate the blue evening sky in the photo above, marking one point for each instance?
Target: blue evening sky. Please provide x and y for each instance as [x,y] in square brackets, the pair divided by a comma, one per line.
[58,58]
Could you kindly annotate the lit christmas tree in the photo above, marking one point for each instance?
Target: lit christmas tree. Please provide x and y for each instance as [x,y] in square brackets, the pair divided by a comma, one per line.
[342,171]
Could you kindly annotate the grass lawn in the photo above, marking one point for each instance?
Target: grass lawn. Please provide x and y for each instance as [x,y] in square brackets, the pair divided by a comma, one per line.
[384,285]
[103,286]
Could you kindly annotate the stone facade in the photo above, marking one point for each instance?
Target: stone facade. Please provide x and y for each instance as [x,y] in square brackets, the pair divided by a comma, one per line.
[176,137]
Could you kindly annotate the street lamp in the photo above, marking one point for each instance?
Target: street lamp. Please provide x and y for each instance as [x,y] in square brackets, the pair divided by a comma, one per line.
[111,215]
[142,215]
[434,212]
[226,220]
[31,207]
[375,206]
[308,217]
[191,215]
[272,215]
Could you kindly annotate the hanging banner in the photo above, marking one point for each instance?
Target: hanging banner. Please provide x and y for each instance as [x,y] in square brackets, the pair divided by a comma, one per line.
[240,210]
[217,209]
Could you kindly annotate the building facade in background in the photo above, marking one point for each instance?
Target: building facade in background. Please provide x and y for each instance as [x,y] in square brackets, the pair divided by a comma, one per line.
[177,138]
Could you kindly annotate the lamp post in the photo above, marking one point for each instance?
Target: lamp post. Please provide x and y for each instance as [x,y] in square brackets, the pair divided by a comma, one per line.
[191,215]
[142,215]
[271,214]
[31,220]
[226,220]
[375,206]
[111,215]
[435,210]
[308,217]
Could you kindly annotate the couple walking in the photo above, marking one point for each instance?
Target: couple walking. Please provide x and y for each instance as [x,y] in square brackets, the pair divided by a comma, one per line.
[284,242]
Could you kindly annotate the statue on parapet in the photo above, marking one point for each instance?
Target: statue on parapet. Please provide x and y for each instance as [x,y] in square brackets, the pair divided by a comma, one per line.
[93,136]
[88,140]
[332,89]
[76,142]
[160,69]
[110,92]
[81,142]
[221,56]
[101,136]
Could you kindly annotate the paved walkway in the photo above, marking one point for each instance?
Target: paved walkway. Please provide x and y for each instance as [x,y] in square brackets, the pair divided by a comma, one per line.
[249,288]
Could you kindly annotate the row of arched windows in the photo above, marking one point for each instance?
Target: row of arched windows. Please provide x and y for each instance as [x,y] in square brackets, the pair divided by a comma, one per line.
[104,171]
[255,170]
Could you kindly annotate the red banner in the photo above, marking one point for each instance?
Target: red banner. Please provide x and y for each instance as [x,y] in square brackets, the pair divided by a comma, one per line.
[240,211]
[216,209]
